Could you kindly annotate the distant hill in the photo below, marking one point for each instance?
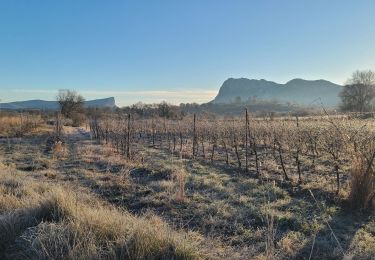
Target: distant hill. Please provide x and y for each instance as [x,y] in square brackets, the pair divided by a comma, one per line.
[104,102]
[297,91]
[54,105]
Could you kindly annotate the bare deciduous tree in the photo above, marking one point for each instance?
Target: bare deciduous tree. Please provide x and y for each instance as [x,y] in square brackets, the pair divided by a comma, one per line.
[359,92]
[71,104]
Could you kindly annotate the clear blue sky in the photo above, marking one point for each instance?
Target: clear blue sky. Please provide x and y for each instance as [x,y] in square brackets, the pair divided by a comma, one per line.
[179,51]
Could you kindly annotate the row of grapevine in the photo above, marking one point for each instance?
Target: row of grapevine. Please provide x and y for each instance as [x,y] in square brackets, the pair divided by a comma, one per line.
[245,141]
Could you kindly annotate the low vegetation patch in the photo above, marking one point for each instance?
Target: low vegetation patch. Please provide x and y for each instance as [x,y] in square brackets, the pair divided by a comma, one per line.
[40,221]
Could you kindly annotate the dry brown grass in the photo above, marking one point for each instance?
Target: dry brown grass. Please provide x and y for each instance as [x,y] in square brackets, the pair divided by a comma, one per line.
[270,233]
[11,125]
[179,175]
[42,221]
[361,185]
[58,150]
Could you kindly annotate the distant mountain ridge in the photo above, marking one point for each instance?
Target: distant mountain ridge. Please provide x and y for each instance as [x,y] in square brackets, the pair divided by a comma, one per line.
[296,91]
[54,105]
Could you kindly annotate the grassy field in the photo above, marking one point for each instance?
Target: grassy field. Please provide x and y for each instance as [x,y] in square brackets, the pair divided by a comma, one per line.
[83,200]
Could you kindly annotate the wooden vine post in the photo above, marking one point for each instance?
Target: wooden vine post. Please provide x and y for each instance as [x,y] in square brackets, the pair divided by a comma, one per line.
[298,152]
[128,139]
[246,140]
[194,136]
[58,126]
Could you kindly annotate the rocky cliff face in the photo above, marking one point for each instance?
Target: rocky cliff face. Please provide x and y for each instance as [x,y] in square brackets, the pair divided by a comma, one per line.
[105,102]
[298,91]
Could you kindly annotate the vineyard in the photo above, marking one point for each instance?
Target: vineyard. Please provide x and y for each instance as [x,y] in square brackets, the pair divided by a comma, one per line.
[123,186]
[301,149]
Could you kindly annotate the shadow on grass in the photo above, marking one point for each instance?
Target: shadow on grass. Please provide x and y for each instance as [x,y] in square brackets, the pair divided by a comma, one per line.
[334,240]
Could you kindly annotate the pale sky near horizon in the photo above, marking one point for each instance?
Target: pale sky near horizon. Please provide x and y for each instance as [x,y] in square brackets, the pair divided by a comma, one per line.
[177,51]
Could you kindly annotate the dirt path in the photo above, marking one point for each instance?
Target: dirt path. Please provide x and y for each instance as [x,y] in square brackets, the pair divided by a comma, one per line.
[74,137]
[76,133]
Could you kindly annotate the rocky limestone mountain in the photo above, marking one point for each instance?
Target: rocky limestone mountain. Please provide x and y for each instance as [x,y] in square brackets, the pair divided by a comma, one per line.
[297,91]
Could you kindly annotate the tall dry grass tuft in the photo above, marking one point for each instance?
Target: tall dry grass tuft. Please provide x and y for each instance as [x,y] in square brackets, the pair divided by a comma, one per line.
[12,224]
[179,174]
[58,150]
[271,230]
[361,184]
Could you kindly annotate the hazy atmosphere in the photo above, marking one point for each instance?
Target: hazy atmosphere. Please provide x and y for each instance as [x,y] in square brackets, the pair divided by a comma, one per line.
[178,51]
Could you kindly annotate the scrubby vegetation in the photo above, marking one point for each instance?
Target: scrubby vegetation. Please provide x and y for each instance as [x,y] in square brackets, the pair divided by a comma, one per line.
[17,125]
